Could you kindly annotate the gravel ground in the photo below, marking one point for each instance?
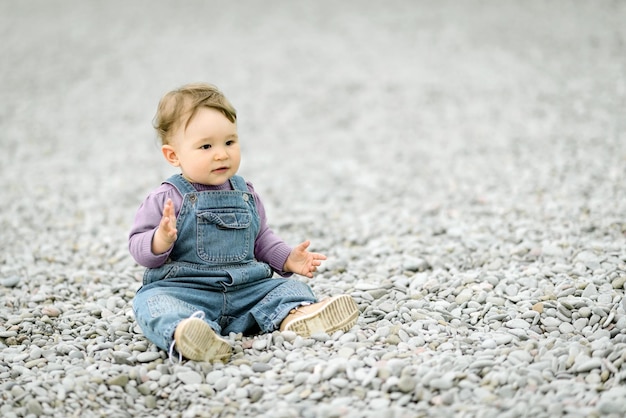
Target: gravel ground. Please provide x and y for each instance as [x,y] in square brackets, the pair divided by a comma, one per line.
[462,164]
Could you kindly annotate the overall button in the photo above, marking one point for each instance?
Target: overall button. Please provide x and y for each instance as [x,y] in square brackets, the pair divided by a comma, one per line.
[245,197]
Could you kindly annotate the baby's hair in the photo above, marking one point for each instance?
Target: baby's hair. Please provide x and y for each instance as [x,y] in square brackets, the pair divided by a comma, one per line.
[178,106]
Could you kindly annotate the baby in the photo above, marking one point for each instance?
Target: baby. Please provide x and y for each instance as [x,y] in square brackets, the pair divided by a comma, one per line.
[210,255]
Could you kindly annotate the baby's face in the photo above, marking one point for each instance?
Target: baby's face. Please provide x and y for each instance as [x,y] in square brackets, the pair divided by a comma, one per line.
[207,151]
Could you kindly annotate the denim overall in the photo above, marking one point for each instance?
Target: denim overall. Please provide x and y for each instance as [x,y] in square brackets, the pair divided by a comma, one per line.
[212,269]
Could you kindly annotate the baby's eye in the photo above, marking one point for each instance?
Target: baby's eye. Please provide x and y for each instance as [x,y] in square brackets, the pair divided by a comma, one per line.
[206,146]
[231,142]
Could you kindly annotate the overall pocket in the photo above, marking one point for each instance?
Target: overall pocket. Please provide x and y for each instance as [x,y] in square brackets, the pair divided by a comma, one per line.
[223,235]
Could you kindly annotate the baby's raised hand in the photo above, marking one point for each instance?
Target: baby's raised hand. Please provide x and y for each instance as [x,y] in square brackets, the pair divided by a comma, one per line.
[303,262]
[166,233]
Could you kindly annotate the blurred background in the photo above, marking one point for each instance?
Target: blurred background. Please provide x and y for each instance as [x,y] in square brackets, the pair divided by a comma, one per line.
[349,112]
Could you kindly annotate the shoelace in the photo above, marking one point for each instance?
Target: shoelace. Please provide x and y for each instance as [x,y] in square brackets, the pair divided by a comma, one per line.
[171,353]
[197,314]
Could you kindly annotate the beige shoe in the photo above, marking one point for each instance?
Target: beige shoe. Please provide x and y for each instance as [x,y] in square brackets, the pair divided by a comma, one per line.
[330,315]
[195,340]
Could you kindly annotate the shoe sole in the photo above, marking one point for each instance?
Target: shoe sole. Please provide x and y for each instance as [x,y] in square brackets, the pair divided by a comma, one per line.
[340,314]
[198,342]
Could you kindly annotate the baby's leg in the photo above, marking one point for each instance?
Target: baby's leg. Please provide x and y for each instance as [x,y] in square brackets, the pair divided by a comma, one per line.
[262,305]
[159,310]
[291,306]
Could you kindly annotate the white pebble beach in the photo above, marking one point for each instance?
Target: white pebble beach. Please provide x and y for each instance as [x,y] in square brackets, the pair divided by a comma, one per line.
[462,165]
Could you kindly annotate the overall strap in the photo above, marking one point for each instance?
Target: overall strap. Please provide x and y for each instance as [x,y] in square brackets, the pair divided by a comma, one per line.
[183,186]
[239,183]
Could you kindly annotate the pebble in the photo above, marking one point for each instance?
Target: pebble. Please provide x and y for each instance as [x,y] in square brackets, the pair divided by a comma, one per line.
[566,328]
[585,365]
[148,356]
[190,377]
[261,367]
[259,344]
[517,324]
[51,311]
[441,383]
[34,407]
[10,281]
[489,343]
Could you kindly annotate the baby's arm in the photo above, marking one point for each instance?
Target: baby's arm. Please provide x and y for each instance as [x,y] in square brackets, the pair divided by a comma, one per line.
[147,221]
[303,262]
[166,234]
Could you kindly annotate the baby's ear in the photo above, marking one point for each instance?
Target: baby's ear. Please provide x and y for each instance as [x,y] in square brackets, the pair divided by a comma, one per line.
[170,155]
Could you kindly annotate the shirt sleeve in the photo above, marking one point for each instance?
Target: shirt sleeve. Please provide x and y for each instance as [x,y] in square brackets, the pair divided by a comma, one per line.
[146,223]
[269,247]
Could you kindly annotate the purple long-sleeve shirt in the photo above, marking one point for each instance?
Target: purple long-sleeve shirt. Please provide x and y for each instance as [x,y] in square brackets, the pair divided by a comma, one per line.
[268,247]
